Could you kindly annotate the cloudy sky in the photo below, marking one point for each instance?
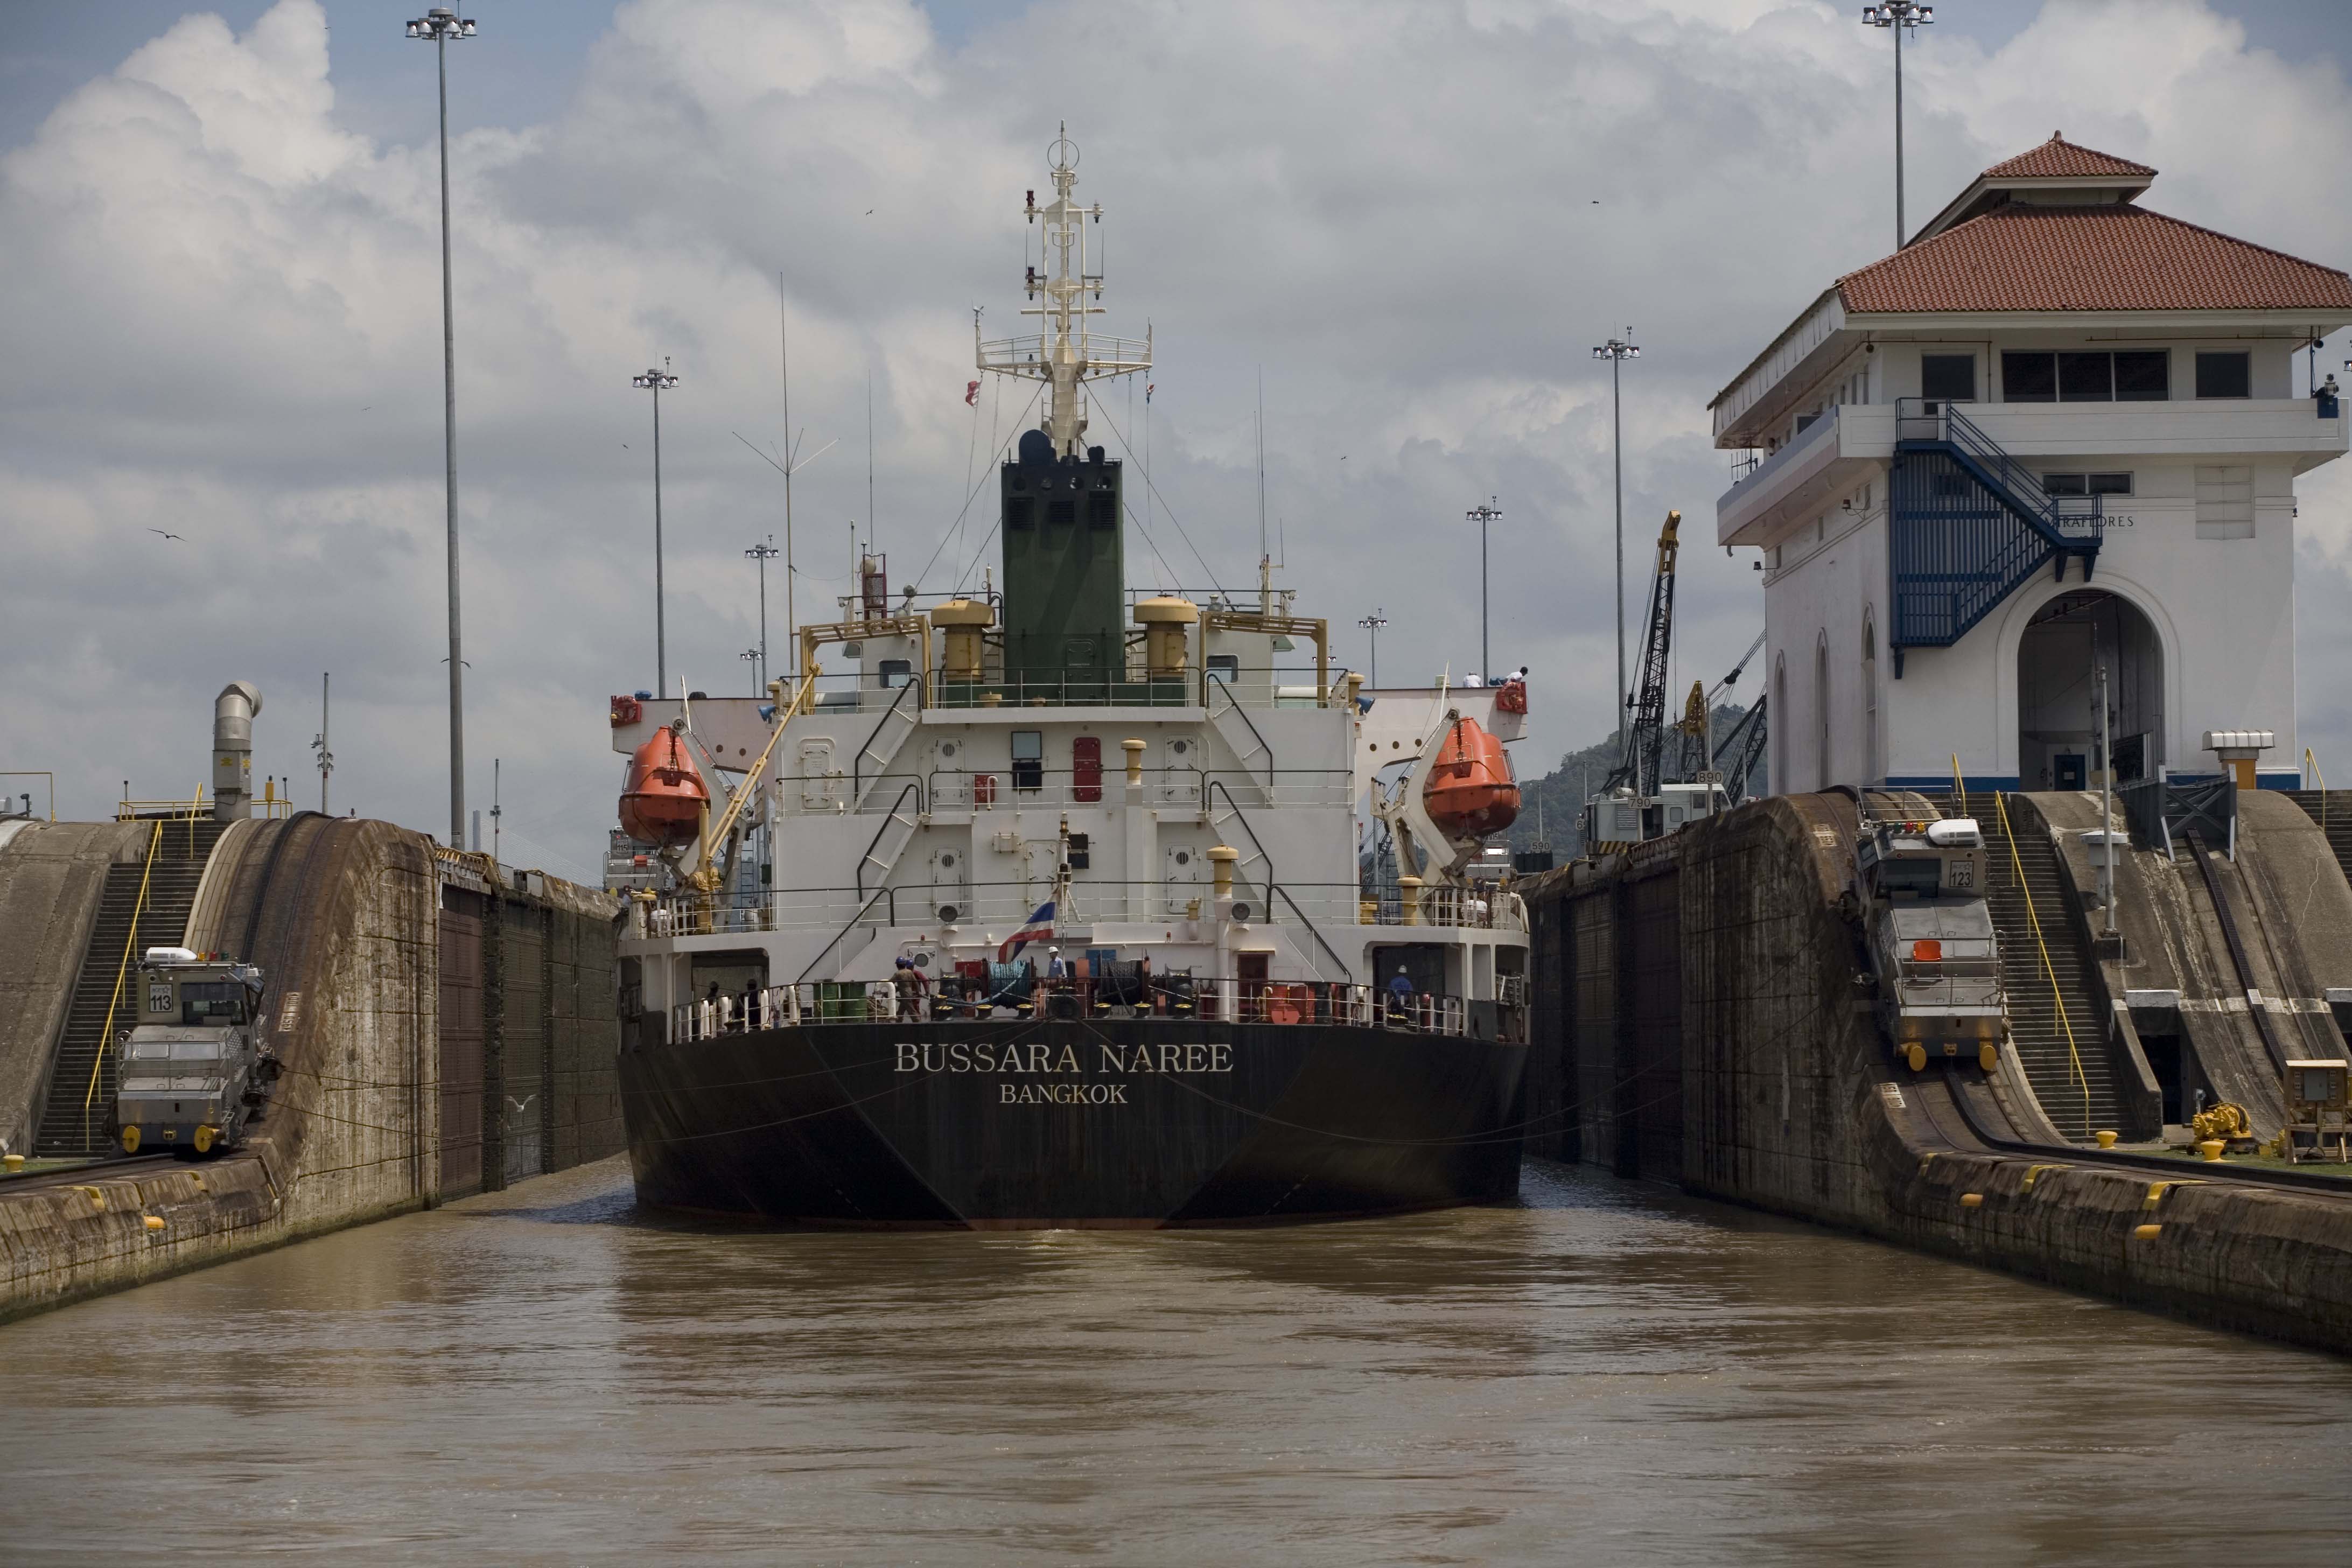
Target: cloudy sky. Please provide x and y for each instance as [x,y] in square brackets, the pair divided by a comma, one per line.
[220,234]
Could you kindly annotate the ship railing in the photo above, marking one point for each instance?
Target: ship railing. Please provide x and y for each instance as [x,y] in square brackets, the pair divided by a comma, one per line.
[1479,908]
[1248,686]
[1035,788]
[991,911]
[957,998]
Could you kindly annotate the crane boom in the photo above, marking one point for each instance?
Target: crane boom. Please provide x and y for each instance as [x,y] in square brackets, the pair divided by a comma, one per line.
[1745,747]
[1645,734]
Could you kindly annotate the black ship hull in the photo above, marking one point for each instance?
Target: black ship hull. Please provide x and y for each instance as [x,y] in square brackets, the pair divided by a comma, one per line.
[1021,1124]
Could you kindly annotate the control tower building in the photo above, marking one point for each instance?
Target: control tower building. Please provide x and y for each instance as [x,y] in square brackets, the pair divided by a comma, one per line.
[2057,431]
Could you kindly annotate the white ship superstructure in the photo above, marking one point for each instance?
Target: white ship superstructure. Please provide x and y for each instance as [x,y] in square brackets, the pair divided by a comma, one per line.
[1182,776]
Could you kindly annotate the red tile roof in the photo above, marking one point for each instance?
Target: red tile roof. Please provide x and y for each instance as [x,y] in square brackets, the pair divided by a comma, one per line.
[2114,258]
[2059,159]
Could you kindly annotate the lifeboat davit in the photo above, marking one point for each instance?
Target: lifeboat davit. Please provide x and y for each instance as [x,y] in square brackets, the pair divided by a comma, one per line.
[1470,791]
[665,798]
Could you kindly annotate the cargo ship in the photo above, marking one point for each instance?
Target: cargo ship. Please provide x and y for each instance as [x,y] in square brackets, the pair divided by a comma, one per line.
[1045,902]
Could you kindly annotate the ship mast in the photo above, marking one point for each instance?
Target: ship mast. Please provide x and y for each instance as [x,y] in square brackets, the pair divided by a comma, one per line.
[1066,353]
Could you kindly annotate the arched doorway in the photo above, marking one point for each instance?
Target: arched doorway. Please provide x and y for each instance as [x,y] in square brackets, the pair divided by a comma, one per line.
[2058,661]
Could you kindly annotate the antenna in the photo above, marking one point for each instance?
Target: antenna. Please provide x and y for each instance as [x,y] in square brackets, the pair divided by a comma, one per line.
[1261,461]
[1065,354]
[869,455]
[784,363]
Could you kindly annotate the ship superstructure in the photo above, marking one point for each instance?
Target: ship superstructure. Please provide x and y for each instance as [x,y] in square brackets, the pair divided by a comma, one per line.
[1015,842]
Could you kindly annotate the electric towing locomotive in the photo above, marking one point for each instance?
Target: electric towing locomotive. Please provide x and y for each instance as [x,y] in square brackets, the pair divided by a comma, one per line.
[191,1071]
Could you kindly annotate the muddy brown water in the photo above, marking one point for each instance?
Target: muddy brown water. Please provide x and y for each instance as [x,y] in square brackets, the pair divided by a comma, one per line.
[1611,1373]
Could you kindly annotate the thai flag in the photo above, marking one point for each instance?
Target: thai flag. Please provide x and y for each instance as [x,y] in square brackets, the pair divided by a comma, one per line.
[1038,928]
[971,394]
[1149,390]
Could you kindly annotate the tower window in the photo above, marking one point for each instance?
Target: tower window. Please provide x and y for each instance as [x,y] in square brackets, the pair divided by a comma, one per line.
[1952,377]
[2225,374]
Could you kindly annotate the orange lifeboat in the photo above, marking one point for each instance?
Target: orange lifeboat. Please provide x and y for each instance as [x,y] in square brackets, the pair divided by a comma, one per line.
[665,798]
[1470,791]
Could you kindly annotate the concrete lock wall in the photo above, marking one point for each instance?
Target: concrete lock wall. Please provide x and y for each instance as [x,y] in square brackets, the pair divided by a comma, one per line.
[1767,1083]
[360,930]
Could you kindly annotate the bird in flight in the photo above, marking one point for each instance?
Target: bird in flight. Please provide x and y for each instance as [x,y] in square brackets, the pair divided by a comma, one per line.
[180,537]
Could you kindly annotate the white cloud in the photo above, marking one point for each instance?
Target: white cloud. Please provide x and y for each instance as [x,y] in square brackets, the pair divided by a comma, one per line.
[1418,219]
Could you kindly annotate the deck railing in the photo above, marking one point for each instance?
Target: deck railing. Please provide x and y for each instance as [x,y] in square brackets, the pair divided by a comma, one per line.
[1196,1000]
[978,907]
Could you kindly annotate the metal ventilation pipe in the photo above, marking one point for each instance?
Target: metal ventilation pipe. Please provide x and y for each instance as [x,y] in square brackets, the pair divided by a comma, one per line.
[233,712]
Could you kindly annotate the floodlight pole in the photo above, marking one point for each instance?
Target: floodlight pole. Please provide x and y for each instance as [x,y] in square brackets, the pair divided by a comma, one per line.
[441,25]
[1898,17]
[1482,516]
[764,552]
[657,382]
[1616,351]
[1372,624]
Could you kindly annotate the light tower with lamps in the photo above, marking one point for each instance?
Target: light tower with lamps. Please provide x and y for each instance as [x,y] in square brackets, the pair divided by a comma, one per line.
[1482,516]
[1616,351]
[657,382]
[1898,17]
[440,25]
[1372,624]
[762,553]
[752,656]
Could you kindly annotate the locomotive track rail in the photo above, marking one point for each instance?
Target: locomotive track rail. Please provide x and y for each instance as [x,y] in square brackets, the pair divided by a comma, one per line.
[2155,1164]
[83,1174]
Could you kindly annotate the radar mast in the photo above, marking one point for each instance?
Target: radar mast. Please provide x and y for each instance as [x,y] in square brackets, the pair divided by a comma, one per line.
[1066,352]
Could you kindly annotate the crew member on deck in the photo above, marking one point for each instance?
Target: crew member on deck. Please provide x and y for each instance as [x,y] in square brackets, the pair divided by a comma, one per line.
[910,987]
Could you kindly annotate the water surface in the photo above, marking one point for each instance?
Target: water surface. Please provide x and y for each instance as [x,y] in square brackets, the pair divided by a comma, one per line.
[1611,1373]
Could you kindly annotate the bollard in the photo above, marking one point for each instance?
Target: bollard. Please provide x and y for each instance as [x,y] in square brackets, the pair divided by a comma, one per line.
[2106,1140]
[1409,897]
[14,1162]
[1971,1200]
[2212,1149]
[2146,1232]
[154,1221]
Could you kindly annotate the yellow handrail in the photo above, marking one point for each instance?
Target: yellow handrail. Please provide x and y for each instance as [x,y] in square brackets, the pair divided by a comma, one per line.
[2057,999]
[1960,786]
[129,946]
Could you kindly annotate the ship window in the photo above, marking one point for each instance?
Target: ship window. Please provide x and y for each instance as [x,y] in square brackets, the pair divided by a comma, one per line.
[1081,858]
[2029,378]
[2225,374]
[1224,667]
[1102,509]
[2144,376]
[1028,759]
[1949,377]
[1020,512]
[895,672]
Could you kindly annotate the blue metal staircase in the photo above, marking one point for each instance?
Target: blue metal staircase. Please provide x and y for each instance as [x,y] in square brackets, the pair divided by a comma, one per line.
[1967,525]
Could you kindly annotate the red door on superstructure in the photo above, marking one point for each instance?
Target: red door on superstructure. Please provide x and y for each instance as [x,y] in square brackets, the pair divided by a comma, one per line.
[1085,768]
